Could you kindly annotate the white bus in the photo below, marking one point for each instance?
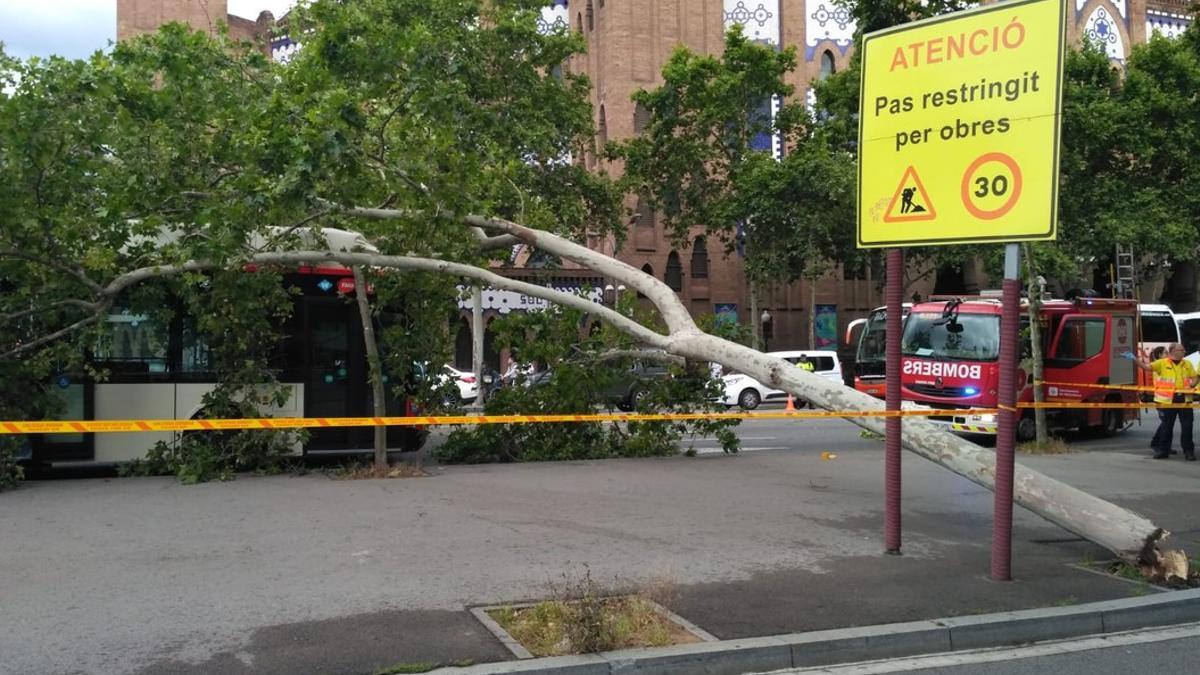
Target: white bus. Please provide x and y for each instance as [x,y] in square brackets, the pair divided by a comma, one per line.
[162,371]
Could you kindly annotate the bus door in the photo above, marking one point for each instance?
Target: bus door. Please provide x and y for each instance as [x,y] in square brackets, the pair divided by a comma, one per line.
[335,381]
[78,403]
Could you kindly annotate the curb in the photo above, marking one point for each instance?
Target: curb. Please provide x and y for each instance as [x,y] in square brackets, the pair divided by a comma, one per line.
[848,645]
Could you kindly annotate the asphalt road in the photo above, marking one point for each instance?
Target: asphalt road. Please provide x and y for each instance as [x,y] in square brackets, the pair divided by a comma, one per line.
[290,574]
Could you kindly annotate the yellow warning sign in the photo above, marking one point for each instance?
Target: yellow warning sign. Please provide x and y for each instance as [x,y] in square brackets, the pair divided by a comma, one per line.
[965,109]
[911,201]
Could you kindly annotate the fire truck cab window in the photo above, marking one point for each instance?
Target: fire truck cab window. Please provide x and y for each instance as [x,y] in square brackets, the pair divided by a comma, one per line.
[975,337]
[1080,339]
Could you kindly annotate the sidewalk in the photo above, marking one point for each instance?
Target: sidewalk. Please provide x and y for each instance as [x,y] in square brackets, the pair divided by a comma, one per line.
[310,575]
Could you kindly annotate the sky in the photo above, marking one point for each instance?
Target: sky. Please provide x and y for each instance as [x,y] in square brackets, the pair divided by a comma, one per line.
[76,28]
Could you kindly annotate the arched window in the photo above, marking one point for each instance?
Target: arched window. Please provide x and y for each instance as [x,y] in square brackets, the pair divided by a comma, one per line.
[648,270]
[591,16]
[491,353]
[674,274]
[579,21]
[699,258]
[641,118]
[827,65]
[463,346]
[643,214]
[603,129]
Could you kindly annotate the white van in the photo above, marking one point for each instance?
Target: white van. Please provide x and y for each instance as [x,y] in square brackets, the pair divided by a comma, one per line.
[1159,327]
[1189,329]
[747,392]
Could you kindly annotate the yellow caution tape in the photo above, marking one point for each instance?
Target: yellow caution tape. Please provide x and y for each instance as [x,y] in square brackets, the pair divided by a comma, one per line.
[1109,405]
[126,426]
[1115,387]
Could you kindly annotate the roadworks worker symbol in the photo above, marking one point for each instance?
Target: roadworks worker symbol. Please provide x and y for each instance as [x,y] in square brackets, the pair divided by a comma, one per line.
[910,202]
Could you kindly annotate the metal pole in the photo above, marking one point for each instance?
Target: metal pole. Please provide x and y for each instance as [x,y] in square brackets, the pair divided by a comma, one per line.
[1007,422]
[477,342]
[891,453]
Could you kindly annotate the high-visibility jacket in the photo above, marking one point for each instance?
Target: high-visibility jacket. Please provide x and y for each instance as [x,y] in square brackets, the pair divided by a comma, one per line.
[806,365]
[1171,378]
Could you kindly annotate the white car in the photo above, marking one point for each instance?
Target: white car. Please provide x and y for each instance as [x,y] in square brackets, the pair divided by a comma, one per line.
[468,388]
[747,392]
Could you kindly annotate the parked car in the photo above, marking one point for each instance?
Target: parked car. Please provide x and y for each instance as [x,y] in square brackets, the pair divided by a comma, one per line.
[748,393]
[468,388]
[627,388]
[631,385]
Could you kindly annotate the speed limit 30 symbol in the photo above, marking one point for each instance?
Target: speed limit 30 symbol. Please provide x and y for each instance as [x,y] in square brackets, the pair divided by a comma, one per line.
[991,185]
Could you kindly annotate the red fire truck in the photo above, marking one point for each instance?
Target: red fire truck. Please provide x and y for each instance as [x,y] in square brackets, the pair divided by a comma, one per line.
[869,356]
[950,360]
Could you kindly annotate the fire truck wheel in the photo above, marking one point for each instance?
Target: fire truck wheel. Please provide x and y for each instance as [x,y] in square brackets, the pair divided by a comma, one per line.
[1111,422]
[1026,429]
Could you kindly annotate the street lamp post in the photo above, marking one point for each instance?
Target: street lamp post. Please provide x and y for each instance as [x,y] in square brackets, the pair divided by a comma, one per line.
[765,320]
[614,292]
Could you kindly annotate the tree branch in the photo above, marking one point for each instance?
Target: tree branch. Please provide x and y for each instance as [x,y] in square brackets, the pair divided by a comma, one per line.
[83,304]
[76,272]
[641,354]
[678,319]
[47,339]
[288,229]
[487,243]
[620,321]
[565,299]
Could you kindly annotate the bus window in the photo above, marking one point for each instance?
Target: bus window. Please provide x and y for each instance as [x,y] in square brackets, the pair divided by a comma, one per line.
[133,343]
[1159,328]
[197,355]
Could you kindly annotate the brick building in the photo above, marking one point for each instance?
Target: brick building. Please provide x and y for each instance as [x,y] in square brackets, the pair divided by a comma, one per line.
[628,43]
[135,17]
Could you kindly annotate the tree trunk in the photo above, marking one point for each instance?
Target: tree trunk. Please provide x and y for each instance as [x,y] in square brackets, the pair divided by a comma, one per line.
[477,343]
[1116,528]
[812,313]
[1037,369]
[756,338]
[374,364]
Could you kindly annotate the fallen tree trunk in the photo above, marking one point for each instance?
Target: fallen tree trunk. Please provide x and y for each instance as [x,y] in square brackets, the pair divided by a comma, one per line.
[1125,533]
[1128,534]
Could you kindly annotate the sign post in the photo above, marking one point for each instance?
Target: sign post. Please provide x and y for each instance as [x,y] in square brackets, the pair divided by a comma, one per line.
[959,144]
[893,426]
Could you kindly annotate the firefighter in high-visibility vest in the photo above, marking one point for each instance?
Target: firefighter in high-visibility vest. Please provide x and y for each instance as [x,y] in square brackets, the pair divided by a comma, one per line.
[1174,380]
